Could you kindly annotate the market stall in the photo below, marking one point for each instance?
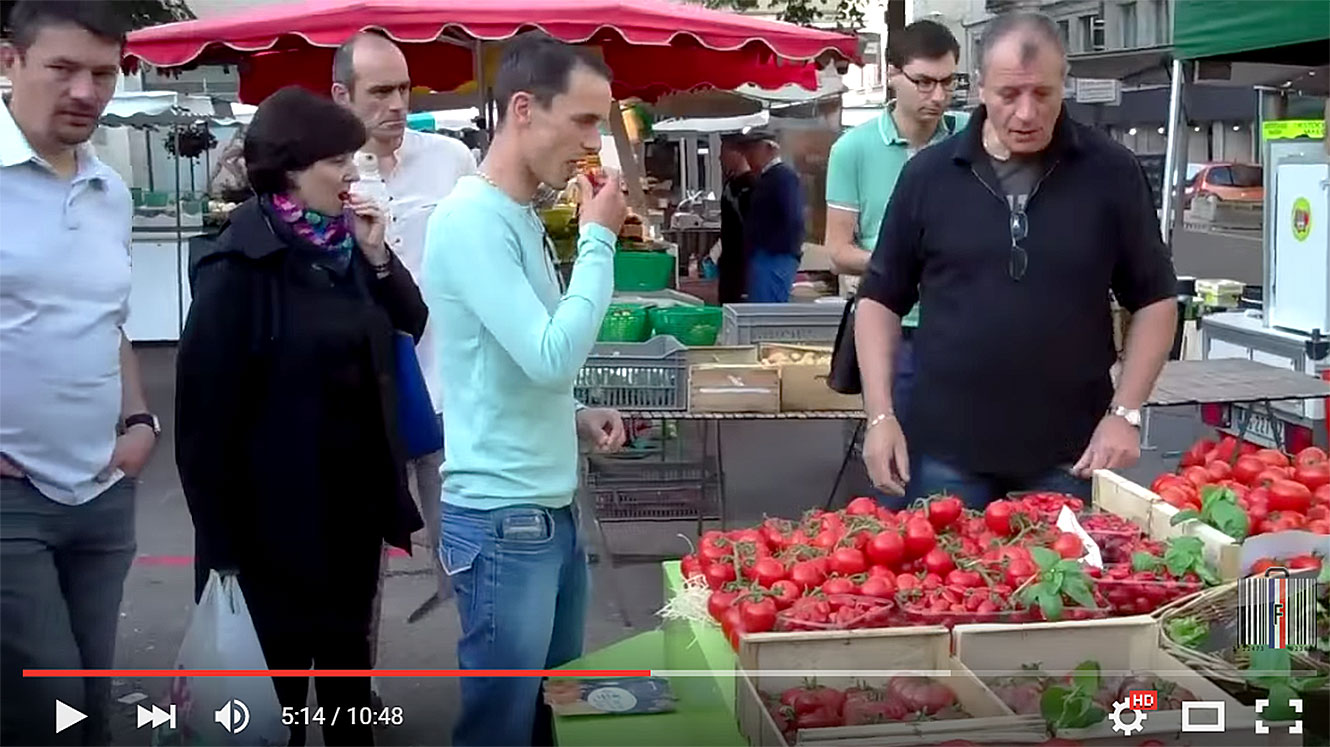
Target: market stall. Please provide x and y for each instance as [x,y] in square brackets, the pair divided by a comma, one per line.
[166,216]
[1286,46]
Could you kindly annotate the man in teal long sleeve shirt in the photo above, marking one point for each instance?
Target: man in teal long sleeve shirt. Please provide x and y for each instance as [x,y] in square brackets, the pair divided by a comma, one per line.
[510,343]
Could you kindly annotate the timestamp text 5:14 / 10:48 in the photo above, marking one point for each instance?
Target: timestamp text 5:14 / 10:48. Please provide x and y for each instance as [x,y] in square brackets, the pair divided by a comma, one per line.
[363,716]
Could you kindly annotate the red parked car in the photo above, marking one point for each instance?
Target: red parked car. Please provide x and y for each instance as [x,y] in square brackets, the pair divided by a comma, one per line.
[1226,182]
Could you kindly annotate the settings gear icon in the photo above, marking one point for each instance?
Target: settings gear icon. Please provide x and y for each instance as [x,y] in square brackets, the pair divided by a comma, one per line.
[1120,725]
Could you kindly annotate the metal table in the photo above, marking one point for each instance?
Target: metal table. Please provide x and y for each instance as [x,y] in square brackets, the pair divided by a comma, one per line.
[1229,381]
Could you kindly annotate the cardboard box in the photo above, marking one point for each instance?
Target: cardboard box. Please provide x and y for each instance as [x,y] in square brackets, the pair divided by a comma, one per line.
[1123,646]
[1117,494]
[804,370]
[733,388]
[772,662]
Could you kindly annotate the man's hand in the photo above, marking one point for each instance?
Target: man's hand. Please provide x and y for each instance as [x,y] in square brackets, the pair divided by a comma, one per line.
[886,457]
[1116,444]
[9,469]
[131,452]
[602,428]
[609,207]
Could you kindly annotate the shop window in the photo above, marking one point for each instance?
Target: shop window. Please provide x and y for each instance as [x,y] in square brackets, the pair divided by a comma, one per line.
[1128,25]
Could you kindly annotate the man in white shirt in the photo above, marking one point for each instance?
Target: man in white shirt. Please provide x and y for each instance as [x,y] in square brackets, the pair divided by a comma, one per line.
[74,426]
[370,77]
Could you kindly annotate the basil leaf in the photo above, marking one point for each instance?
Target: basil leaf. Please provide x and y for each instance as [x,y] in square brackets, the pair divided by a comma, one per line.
[1051,605]
[1187,544]
[1208,576]
[1143,561]
[1086,677]
[1079,590]
[1044,557]
[1053,705]
[1184,515]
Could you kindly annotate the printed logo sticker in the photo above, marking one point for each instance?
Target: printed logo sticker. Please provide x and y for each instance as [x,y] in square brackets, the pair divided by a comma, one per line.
[1302,219]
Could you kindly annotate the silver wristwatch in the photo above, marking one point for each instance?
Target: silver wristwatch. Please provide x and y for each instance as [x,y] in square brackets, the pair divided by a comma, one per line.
[1133,417]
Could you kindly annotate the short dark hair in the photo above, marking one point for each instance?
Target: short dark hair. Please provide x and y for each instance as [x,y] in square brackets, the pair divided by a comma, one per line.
[344,59]
[291,131]
[540,66]
[921,40]
[97,17]
[1036,25]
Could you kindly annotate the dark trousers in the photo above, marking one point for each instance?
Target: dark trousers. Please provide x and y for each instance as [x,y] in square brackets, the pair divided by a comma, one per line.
[62,575]
[929,476]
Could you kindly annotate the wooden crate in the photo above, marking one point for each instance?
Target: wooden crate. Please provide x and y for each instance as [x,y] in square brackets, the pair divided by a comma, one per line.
[1121,496]
[804,370]
[733,388]
[772,662]
[723,354]
[1122,646]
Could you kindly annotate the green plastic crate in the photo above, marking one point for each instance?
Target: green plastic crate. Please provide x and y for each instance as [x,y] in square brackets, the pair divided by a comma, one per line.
[625,322]
[691,325]
[642,271]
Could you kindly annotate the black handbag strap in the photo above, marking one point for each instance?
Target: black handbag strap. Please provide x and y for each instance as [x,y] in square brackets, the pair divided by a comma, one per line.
[844,375]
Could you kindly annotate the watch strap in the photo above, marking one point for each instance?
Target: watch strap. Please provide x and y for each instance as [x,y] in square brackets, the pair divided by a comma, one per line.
[143,418]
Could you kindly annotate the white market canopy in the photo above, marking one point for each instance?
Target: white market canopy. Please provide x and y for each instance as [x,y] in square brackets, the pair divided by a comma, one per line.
[707,125]
[165,108]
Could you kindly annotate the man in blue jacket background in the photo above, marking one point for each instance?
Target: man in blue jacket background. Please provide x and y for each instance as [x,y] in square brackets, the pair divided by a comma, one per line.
[774,226]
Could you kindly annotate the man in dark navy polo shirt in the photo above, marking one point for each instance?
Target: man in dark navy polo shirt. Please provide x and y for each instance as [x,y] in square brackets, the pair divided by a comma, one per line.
[774,225]
[1013,234]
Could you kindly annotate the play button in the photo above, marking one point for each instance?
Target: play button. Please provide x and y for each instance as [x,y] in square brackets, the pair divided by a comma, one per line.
[66,716]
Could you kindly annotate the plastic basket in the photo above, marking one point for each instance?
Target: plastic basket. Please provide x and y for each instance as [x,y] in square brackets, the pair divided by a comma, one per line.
[751,323]
[691,325]
[880,613]
[1129,596]
[642,271]
[651,375]
[625,323]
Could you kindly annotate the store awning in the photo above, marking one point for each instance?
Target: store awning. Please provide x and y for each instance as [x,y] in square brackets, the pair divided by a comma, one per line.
[1134,67]
[166,108]
[1291,32]
[706,125]
[653,46]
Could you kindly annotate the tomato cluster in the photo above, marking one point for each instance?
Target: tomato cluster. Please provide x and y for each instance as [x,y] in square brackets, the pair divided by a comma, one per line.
[1277,492]
[867,566]
[1140,592]
[1116,536]
[814,706]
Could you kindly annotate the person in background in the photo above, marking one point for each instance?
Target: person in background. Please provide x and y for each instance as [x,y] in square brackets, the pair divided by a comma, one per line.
[287,439]
[75,430]
[371,78]
[511,342]
[866,161]
[734,199]
[1013,234]
[774,226]
[228,182]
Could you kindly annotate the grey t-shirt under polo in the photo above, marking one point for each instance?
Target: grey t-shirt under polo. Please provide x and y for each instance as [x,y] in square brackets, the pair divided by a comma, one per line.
[1017,176]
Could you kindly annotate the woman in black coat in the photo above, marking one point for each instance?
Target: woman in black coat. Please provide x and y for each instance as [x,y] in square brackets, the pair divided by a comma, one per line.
[287,439]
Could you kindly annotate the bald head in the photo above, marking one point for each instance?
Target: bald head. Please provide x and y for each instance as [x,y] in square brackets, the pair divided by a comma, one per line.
[1029,34]
[370,77]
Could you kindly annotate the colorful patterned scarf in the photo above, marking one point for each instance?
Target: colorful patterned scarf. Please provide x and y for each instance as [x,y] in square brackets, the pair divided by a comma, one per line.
[331,233]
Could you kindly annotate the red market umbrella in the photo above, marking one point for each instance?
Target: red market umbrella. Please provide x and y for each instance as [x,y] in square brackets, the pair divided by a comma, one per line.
[653,46]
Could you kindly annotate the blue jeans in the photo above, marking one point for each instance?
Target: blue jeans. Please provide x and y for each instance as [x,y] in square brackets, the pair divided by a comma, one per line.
[522,585]
[770,277]
[929,476]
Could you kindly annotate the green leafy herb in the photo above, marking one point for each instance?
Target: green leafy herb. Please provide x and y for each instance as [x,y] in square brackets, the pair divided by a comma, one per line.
[1182,554]
[1057,578]
[1272,669]
[1219,509]
[1188,631]
[1073,707]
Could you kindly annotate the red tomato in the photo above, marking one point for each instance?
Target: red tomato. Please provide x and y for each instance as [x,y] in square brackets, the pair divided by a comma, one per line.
[847,561]
[887,548]
[1322,495]
[1218,471]
[786,593]
[807,575]
[719,602]
[1283,521]
[1197,453]
[1247,469]
[919,538]
[1068,545]
[758,616]
[1261,566]
[938,561]
[1018,571]
[731,624]
[1310,455]
[1304,562]
[1313,475]
[719,574]
[690,566]
[861,506]
[905,582]
[1165,480]
[1273,457]
[767,571]
[1176,497]
[1288,495]
[878,586]
[998,517]
[1197,476]
[1319,526]
[1257,512]
[943,511]
[838,585]
[1271,474]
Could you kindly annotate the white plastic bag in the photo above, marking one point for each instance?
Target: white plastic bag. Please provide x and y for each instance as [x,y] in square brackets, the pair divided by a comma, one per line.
[221,636]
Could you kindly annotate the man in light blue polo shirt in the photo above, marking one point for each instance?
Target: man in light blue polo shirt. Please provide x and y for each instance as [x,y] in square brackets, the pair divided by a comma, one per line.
[866,161]
[74,427]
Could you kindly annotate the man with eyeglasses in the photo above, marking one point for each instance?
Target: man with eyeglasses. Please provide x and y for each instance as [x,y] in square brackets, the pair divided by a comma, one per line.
[866,161]
[1012,235]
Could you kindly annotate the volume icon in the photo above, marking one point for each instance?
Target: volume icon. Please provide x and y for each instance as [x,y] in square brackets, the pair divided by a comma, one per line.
[234,716]
[156,716]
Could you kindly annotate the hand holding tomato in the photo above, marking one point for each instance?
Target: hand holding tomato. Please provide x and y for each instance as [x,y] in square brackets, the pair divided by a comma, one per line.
[1116,444]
